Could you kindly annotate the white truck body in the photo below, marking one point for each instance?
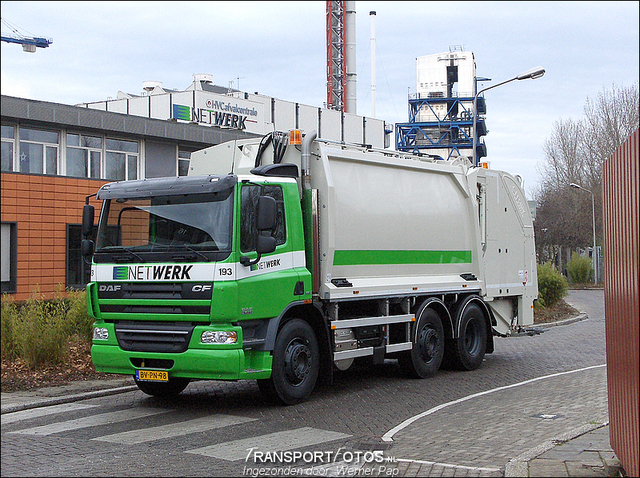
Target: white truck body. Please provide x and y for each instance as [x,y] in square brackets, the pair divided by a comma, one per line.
[392,224]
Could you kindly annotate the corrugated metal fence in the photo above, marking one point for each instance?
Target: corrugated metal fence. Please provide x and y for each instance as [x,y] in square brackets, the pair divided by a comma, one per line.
[621,184]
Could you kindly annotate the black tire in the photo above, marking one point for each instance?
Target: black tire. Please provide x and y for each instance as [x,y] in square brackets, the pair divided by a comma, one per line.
[425,357]
[467,351]
[163,389]
[296,364]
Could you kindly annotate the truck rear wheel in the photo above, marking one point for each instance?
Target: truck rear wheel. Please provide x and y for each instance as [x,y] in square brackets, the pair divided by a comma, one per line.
[425,357]
[296,364]
[467,351]
[165,389]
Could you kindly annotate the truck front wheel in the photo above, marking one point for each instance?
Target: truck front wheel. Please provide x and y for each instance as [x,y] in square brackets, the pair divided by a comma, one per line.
[425,357]
[296,364]
[163,389]
[467,351]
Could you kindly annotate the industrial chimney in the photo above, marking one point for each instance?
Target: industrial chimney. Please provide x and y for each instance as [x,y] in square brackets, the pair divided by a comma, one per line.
[372,15]
[350,56]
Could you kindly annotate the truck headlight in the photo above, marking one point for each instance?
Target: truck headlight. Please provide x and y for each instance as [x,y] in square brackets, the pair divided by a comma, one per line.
[100,333]
[219,337]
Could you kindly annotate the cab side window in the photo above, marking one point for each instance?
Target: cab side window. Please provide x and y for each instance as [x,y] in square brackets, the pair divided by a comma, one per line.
[248,209]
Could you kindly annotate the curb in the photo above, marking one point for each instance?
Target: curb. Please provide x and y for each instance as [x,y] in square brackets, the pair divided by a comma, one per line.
[66,399]
[571,320]
[539,328]
[519,466]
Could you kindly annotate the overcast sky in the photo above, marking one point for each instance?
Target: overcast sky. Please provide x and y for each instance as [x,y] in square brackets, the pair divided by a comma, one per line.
[278,49]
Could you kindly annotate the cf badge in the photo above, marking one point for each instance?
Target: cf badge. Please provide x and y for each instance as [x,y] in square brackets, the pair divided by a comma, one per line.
[200,288]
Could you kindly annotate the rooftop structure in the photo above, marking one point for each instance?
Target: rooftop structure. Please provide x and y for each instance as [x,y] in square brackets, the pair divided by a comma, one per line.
[441,111]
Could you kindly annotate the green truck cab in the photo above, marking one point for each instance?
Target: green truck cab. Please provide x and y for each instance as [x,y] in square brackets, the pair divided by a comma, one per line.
[191,277]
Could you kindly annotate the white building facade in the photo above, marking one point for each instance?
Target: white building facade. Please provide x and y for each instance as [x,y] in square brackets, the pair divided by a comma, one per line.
[210,105]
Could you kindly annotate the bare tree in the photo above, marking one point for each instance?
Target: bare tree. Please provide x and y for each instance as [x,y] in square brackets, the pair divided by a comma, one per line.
[575,153]
[564,163]
[609,121]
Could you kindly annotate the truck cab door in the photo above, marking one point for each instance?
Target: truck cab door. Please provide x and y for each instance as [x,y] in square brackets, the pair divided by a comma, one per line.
[266,283]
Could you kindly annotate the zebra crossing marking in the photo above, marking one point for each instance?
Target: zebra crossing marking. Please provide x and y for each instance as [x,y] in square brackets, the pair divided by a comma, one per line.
[94,420]
[42,412]
[272,442]
[172,430]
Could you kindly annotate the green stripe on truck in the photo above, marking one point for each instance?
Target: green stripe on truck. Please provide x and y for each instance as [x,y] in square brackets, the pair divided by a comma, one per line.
[353,258]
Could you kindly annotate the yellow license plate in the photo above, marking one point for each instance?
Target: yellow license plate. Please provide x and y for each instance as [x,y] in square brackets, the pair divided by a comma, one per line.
[152,376]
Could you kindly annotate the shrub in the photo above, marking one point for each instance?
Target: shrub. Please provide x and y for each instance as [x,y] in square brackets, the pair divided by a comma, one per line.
[579,269]
[552,286]
[78,319]
[38,330]
[8,318]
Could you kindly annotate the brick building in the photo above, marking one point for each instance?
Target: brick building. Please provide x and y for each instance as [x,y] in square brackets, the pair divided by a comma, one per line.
[53,157]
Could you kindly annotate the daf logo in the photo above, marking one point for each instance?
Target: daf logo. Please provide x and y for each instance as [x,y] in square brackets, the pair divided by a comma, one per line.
[109,288]
[200,288]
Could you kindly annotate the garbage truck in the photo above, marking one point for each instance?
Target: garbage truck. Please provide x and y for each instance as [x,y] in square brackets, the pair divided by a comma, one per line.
[285,258]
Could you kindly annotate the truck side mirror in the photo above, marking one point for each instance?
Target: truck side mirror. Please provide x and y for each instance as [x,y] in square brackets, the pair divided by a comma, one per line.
[266,215]
[86,247]
[265,244]
[87,220]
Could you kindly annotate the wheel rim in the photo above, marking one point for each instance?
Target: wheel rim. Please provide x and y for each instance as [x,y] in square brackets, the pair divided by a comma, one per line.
[429,343]
[472,337]
[297,361]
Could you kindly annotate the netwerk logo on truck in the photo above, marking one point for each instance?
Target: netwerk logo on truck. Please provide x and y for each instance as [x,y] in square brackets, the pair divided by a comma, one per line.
[159,272]
[154,272]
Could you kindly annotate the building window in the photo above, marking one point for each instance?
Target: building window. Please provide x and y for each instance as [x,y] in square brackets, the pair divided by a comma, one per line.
[8,138]
[38,151]
[184,159]
[8,256]
[78,271]
[121,160]
[84,155]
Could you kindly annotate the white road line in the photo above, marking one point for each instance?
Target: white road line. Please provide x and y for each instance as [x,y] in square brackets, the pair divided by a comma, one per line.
[42,412]
[447,465]
[248,448]
[92,421]
[172,430]
[389,435]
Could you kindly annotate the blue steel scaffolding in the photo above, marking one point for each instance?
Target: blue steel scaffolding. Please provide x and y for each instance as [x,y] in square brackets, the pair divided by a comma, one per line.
[451,127]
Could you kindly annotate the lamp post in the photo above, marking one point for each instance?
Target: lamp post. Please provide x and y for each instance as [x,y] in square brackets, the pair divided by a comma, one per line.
[593,215]
[532,74]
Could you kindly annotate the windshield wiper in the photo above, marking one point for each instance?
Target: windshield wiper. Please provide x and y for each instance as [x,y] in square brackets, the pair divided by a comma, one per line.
[128,250]
[177,246]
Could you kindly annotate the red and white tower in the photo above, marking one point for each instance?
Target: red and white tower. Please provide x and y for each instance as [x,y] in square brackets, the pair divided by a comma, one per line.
[341,56]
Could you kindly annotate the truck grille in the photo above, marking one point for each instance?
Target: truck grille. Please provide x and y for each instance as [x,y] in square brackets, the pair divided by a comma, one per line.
[158,309]
[166,337]
[168,291]
[178,299]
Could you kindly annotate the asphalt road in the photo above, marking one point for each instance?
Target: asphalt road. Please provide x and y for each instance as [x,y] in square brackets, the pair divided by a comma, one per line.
[227,429]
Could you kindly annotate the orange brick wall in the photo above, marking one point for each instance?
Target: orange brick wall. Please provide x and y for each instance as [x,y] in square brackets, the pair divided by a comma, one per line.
[42,206]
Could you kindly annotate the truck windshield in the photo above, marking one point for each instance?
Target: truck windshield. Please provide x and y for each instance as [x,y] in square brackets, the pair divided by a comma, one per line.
[194,227]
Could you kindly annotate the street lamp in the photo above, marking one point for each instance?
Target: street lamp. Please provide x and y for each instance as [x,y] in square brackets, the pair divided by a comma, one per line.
[593,214]
[532,74]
